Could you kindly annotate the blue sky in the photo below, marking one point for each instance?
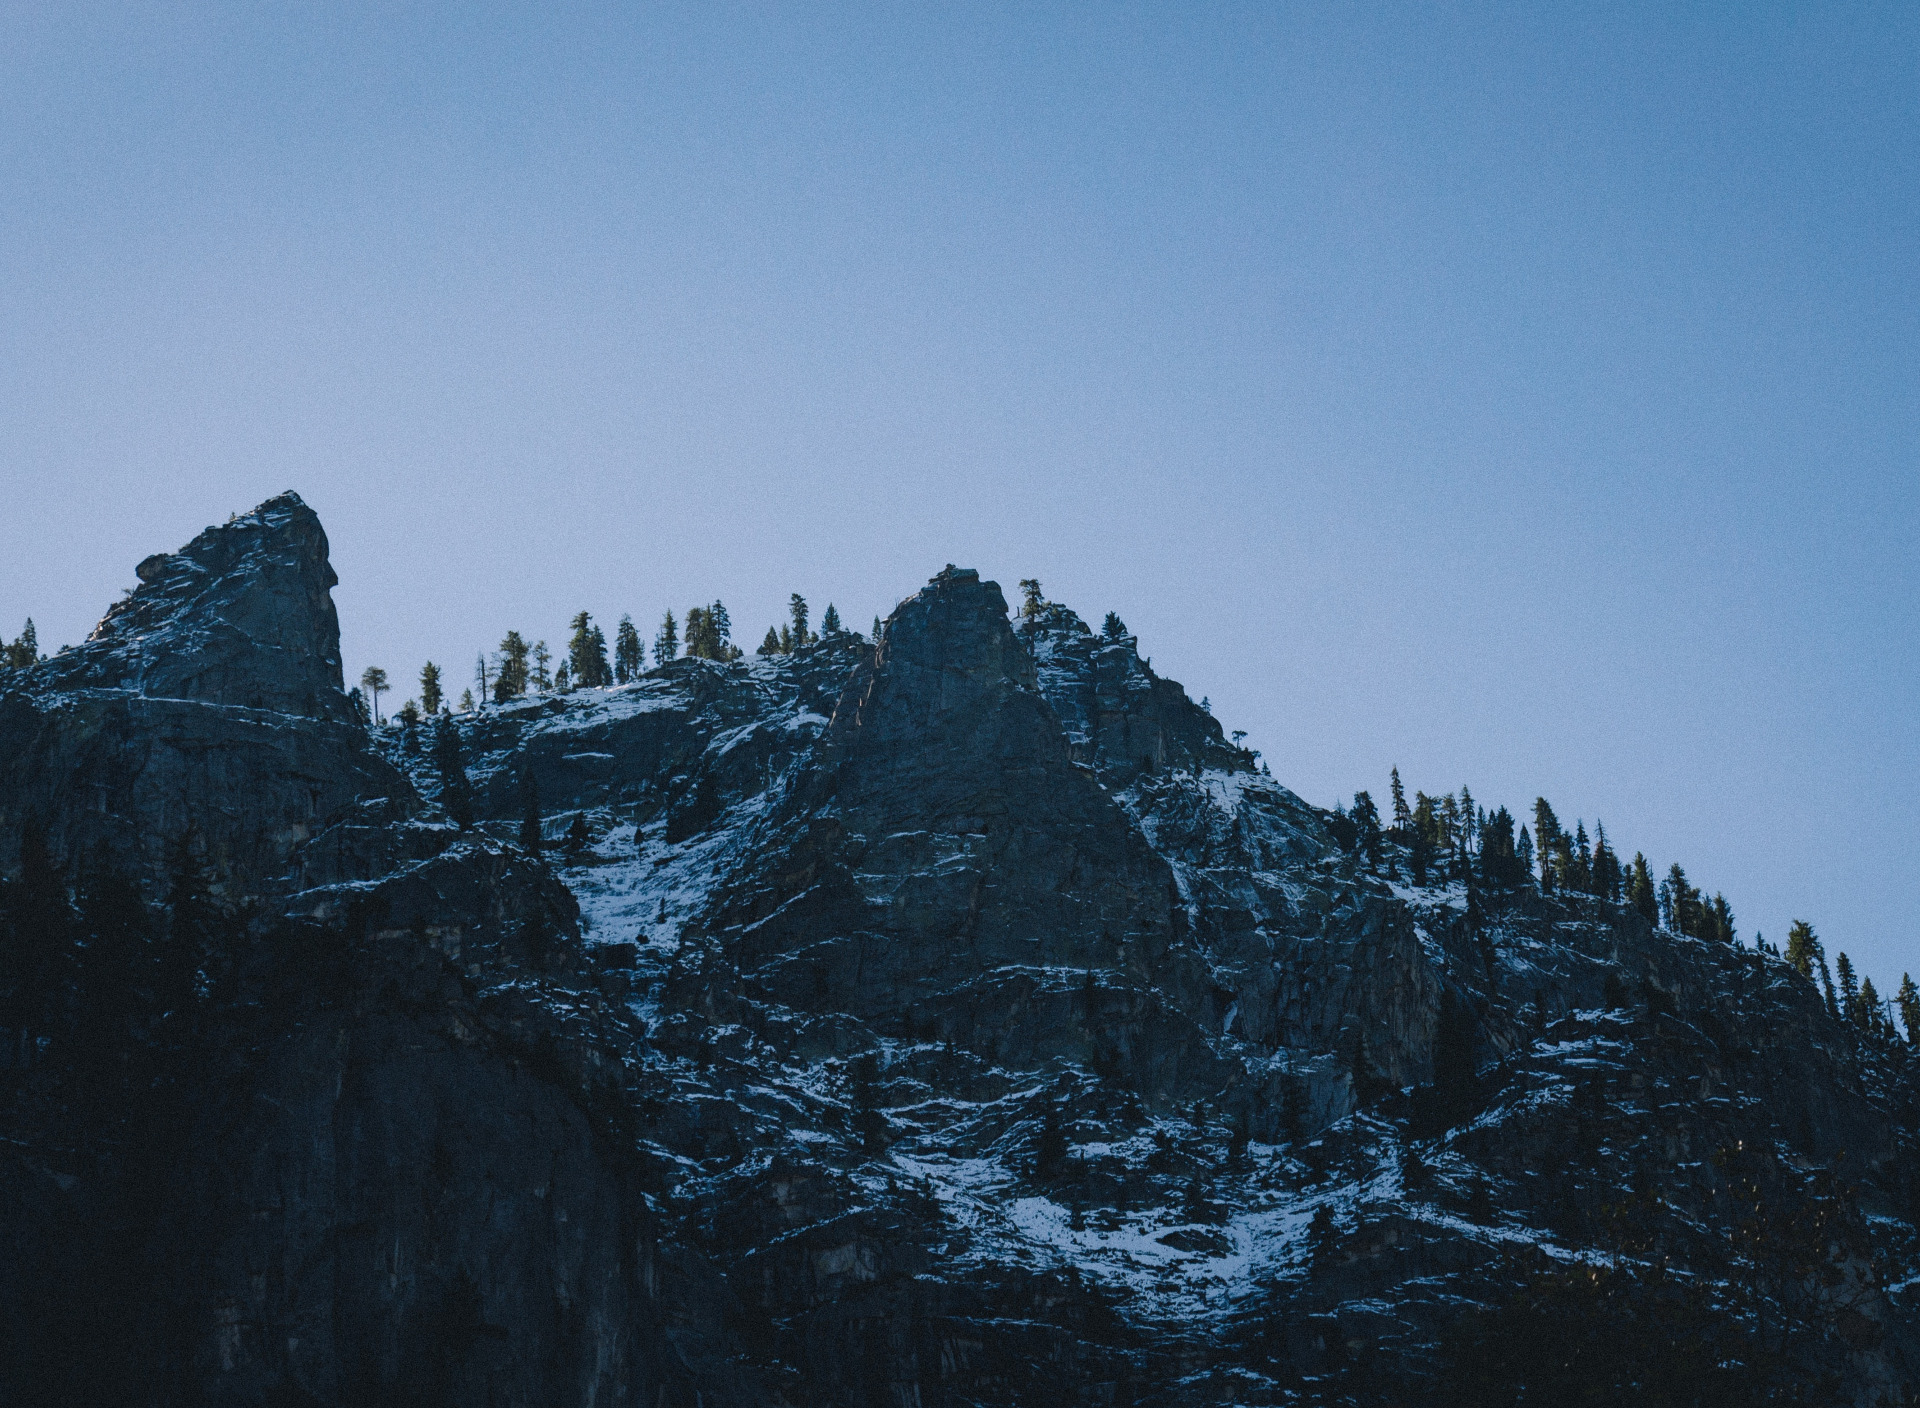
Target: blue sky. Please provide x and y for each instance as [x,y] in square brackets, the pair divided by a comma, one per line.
[1524,396]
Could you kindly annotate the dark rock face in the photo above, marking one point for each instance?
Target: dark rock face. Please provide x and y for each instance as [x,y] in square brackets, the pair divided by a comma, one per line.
[947,854]
[242,616]
[208,700]
[956,1018]
[1117,715]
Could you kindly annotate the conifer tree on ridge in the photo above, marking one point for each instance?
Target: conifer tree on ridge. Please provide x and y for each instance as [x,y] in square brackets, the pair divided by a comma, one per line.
[374,681]
[629,656]
[510,677]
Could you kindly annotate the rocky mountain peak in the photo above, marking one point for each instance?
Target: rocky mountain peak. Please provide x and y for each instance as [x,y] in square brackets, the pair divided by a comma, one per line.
[241,615]
[1010,1037]
[949,647]
[1120,717]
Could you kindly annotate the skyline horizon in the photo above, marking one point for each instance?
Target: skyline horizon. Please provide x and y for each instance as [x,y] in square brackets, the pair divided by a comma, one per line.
[1521,811]
[1525,399]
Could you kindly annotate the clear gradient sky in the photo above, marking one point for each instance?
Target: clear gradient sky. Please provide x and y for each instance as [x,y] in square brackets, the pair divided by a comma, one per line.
[1522,395]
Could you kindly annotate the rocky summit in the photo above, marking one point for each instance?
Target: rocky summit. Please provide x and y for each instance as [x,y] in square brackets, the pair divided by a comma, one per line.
[951,1018]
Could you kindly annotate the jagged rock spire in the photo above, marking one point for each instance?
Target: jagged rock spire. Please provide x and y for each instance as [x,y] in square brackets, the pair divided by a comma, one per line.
[241,615]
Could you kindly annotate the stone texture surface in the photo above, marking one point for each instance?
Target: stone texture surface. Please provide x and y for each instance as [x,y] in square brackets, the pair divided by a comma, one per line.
[242,615]
[957,1018]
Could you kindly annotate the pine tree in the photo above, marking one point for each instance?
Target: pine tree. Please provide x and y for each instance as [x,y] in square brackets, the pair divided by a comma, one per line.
[430,688]
[409,717]
[562,678]
[1682,902]
[629,656]
[1113,628]
[1563,867]
[1366,821]
[723,631]
[1523,853]
[481,674]
[25,650]
[1423,818]
[706,634]
[876,630]
[510,677]
[666,641]
[1030,600]
[466,701]
[578,837]
[1606,866]
[1578,875]
[771,645]
[597,658]
[374,681]
[1402,814]
[1849,991]
[1826,988]
[1867,1014]
[830,623]
[797,610]
[1718,921]
[1641,893]
[1908,1001]
[1500,862]
[1803,948]
[580,651]
[1546,835]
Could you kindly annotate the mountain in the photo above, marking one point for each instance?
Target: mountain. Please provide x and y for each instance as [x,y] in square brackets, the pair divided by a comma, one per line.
[952,1018]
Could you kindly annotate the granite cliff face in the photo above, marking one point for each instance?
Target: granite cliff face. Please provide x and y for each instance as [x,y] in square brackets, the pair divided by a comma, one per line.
[954,1018]
[208,700]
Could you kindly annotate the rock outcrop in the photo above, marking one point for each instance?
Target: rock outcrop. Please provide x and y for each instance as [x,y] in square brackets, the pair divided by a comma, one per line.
[957,1017]
[242,615]
[207,702]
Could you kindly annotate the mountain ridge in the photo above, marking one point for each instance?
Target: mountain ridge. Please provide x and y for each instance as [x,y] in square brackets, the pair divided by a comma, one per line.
[954,1017]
